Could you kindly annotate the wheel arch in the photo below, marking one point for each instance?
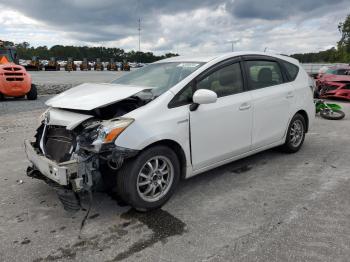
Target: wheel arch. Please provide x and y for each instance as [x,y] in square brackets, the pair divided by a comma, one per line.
[306,117]
[176,147]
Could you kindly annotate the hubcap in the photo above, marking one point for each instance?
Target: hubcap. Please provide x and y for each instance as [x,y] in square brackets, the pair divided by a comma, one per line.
[296,133]
[155,178]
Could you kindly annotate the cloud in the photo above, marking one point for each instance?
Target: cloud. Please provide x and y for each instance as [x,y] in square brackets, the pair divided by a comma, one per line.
[184,26]
[279,9]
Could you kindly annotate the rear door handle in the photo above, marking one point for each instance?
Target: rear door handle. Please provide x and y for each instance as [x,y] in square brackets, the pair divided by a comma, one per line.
[290,95]
[244,106]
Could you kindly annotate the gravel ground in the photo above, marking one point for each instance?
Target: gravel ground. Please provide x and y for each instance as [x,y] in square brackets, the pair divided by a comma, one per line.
[54,82]
[267,207]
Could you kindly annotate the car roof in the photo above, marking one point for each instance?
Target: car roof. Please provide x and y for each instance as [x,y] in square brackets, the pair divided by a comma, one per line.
[194,58]
[208,58]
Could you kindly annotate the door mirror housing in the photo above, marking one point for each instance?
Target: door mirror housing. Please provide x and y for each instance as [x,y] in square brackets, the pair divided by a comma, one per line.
[204,96]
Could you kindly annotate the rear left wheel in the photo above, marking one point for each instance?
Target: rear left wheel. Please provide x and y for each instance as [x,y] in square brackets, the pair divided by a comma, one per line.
[295,134]
[148,181]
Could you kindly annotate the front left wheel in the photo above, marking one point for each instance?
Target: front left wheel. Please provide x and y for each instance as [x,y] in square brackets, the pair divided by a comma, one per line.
[148,181]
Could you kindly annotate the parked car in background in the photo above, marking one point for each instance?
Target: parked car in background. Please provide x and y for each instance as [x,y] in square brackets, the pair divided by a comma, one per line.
[334,83]
[170,120]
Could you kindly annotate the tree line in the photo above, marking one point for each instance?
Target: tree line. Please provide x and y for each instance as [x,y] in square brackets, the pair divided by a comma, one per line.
[60,52]
[340,54]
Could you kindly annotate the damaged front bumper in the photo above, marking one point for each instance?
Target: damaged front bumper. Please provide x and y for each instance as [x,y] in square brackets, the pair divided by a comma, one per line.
[57,172]
[80,173]
[76,160]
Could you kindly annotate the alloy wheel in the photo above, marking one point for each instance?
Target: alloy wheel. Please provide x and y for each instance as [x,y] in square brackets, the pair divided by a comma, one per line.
[155,178]
[296,133]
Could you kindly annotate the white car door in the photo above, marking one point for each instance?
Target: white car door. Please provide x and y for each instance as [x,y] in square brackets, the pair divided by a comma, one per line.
[272,101]
[221,130]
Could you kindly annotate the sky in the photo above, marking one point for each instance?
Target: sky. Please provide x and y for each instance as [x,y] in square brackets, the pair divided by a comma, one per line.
[178,26]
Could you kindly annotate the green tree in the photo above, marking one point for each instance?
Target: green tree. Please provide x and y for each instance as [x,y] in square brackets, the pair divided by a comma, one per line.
[26,51]
[333,55]
[344,29]
[344,42]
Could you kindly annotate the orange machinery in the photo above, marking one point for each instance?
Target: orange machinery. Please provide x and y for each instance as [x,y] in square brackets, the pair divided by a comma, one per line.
[14,79]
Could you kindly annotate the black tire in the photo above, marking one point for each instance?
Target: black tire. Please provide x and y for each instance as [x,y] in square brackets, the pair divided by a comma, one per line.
[128,175]
[1,97]
[337,114]
[32,94]
[289,146]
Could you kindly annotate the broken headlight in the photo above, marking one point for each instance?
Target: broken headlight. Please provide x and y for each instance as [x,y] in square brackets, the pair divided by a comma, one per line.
[45,117]
[108,131]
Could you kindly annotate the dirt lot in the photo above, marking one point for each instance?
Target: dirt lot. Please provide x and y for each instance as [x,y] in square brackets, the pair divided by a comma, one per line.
[268,207]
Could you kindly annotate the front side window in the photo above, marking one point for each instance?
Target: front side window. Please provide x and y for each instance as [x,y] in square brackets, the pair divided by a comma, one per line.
[225,81]
[159,77]
[263,74]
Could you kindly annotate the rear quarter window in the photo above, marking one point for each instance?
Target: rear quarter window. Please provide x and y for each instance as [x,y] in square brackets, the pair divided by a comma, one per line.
[292,70]
[263,73]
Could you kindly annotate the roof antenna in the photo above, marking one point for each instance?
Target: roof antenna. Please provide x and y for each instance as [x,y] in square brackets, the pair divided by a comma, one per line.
[265,49]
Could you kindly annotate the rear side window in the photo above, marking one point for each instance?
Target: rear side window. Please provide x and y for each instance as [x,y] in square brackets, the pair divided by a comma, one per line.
[263,73]
[292,70]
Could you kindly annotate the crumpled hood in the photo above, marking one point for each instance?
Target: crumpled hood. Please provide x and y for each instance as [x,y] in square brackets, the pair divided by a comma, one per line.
[90,96]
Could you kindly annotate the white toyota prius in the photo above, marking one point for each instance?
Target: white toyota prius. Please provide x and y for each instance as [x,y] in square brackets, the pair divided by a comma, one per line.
[170,120]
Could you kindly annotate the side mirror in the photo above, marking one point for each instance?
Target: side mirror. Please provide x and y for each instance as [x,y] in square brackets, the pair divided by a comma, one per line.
[204,96]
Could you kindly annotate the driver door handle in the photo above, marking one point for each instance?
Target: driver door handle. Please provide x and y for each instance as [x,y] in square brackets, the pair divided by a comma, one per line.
[290,95]
[244,106]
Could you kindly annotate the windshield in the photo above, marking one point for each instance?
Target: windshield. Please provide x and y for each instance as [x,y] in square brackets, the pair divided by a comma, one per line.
[159,76]
[7,54]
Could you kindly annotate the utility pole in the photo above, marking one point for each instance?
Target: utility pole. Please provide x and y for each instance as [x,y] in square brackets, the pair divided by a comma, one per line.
[232,44]
[139,29]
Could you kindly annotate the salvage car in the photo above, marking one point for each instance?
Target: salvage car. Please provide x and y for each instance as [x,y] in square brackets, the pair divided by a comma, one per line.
[170,120]
[334,83]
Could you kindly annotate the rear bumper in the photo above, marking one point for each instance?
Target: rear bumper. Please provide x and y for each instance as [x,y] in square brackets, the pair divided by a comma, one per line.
[59,173]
